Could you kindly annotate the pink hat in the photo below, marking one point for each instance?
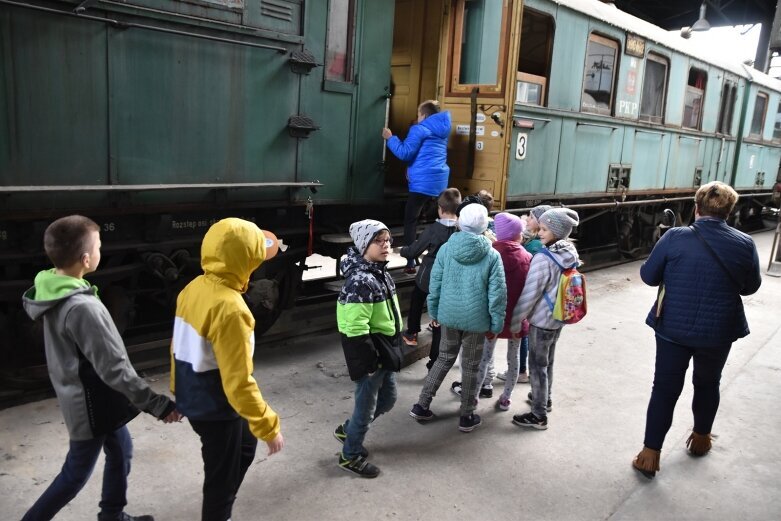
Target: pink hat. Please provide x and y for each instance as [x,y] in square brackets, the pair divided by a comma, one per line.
[508,226]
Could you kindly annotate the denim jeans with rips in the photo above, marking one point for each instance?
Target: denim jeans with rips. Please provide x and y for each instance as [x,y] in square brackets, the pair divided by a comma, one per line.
[375,394]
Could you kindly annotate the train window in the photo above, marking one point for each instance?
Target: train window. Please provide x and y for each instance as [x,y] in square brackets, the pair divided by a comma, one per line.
[339,44]
[654,89]
[777,125]
[758,119]
[535,57]
[727,109]
[480,39]
[599,76]
[693,98]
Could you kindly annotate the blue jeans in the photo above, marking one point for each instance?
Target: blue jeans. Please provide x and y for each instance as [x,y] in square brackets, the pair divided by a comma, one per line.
[375,394]
[542,348]
[672,360]
[77,469]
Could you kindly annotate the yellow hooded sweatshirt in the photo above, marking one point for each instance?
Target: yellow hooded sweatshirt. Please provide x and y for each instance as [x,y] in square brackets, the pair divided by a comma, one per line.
[213,341]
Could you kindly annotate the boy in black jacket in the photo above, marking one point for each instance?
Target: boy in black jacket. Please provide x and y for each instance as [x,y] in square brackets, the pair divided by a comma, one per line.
[434,236]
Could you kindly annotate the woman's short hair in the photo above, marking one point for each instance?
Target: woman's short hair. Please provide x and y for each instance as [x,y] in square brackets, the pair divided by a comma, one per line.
[429,107]
[715,199]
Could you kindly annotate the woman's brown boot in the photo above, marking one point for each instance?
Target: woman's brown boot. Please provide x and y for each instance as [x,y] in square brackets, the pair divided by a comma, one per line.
[699,444]
[647,462]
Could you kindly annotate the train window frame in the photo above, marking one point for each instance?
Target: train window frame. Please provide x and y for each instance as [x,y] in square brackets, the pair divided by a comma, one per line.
[665,62]
[694,91]
[497,88]
[531,88]
[346,81]
[777,125]
[729,94]
[758,133]
[606,42]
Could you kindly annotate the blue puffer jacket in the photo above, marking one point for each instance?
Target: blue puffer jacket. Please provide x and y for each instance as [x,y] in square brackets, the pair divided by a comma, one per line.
[467,290]
[425,149]
[702,306]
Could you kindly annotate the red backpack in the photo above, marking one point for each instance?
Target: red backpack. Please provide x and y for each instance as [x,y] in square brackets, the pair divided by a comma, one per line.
[569,304]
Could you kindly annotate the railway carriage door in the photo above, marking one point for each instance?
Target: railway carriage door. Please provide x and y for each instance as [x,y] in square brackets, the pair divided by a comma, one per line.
[477,52]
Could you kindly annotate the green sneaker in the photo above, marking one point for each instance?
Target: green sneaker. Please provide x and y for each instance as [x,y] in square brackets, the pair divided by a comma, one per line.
[340,433]
[358,465]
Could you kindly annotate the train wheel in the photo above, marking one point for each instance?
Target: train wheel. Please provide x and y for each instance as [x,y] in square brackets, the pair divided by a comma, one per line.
[269,294]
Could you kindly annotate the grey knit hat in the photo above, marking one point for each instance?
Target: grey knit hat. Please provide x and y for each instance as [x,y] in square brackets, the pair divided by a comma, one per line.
[537,211]
[560,221]
[363,233]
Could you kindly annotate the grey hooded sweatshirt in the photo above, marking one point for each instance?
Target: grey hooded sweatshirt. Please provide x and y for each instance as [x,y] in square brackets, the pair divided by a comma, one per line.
[543,278]
[97,388]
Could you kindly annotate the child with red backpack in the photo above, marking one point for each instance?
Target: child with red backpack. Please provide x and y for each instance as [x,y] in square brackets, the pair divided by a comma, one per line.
[543,280]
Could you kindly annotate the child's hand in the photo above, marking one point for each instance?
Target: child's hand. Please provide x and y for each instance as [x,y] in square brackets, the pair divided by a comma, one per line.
[516,336]
[276,444]
[434,323]
[489,335]
[173,416]
[386,133]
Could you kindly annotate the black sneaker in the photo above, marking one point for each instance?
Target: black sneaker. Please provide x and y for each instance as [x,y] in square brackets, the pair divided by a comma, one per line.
[469,422]
[530,420]
[419,413]
[455,388]
[340,433]
[123,517]
[548,406]
[486,392]
[358,465]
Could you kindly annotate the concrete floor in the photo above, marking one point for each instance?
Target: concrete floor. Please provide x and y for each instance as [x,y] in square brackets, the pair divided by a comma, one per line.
[579,469]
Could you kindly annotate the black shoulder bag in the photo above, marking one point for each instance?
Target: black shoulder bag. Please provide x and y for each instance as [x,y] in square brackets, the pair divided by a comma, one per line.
[389,347]
[716,258]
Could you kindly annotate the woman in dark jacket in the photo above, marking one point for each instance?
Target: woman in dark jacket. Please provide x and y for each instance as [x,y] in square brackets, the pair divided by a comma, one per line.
[702,271]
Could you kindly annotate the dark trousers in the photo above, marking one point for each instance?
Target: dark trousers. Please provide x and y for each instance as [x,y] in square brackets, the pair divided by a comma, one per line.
[412,210]
[228,449]
[672,360]
[417,300]
[77,469]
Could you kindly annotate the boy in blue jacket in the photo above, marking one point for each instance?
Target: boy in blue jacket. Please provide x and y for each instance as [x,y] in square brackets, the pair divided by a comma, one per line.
[425,150]
[468,296]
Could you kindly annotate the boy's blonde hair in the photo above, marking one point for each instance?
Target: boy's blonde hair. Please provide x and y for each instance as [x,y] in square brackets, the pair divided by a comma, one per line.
[67,239]
[716,199]
[429,107]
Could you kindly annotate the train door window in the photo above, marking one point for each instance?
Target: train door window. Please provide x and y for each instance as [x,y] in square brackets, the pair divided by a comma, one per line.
[654,89]
[727,108]
[777,125]
[479,44]
[599,76]
[758,119]
[339,42]
[534,58]
[693,98]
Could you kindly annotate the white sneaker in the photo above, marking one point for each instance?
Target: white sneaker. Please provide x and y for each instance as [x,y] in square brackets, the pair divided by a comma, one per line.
[523,378]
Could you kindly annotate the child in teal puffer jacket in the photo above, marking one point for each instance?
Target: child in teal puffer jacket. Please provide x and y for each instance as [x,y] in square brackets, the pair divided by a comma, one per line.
[468,296]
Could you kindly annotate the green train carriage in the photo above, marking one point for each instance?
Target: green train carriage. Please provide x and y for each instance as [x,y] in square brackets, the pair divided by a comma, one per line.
[157,117]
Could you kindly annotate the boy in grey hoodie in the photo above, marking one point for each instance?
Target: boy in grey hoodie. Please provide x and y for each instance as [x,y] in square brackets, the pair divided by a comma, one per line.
[543,279]
[97,388]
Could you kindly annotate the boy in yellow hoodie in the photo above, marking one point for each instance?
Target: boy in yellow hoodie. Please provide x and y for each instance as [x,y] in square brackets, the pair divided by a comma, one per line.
[212,367]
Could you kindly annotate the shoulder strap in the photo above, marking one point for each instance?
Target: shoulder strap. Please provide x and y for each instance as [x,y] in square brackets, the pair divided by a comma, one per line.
[392,304]
[715,257]
[548,254]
